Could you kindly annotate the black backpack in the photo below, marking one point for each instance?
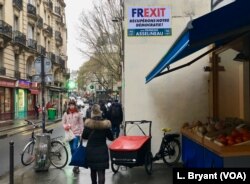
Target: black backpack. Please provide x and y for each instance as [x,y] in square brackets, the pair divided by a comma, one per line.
[116,111]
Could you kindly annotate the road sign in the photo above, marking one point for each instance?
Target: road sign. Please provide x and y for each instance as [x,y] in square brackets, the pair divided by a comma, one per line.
[47,65]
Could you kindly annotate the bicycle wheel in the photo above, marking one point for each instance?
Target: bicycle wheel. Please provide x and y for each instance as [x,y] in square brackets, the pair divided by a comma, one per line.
[172,152]
[115,168]
[28,154]
[58,154]
[148,163]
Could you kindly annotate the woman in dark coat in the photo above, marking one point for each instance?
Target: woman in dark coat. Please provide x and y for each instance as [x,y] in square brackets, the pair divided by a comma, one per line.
[96,131]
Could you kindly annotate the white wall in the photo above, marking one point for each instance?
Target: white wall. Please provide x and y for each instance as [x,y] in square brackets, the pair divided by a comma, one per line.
[171,99]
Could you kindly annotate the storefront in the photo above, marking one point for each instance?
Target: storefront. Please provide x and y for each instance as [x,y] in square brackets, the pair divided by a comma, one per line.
[55,96]
[6,99]
[21,99]
[228,35]
[33,98]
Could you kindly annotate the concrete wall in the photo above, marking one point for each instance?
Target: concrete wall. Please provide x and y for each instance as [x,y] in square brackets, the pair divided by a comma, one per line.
[172,99]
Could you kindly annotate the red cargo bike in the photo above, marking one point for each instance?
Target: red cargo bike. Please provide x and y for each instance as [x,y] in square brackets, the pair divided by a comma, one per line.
[132,151]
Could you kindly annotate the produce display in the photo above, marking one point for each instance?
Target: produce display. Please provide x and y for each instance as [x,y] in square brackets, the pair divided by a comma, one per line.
[231,131]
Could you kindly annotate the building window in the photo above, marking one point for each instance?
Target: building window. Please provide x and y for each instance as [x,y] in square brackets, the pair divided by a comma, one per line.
[16,62]
[16,23]
[1,12]
[49,46]
[1,58]
[30,32]
[49,20]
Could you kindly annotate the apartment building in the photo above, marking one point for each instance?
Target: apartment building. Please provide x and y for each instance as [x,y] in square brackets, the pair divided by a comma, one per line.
[29,29]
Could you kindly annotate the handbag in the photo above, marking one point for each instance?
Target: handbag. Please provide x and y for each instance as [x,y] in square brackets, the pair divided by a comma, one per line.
[69,135]
[79,156]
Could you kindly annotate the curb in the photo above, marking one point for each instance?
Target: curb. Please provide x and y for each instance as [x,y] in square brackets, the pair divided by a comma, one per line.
[27,129]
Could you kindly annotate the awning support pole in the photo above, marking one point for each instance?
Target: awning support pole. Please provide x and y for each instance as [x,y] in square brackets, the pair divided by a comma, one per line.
[189,63]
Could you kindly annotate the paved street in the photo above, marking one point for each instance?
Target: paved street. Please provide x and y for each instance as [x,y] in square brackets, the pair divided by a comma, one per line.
[137,175]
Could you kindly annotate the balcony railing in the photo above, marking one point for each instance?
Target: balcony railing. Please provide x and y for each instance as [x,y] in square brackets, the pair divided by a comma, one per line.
[41,50]
[5,29]
[17,74]
[32,44]
[19,38]
[39,22]
[2,71]
[18,4]
[48,30]
[58,10]
[52,57]
[31,9]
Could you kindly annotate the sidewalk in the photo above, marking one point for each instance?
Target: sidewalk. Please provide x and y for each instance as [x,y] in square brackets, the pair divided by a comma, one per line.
[137,175]
[12,127]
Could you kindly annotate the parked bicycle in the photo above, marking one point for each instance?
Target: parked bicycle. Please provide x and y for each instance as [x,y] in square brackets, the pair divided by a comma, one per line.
[58,155]
[170,149]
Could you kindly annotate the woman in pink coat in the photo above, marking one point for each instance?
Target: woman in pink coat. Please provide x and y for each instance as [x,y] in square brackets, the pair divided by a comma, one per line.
[72,120]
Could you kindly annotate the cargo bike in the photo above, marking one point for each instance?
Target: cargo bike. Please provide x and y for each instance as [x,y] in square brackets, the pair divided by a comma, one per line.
[132,151]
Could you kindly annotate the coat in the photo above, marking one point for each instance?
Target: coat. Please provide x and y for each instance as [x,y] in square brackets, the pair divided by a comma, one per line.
[74,122]
[96,131]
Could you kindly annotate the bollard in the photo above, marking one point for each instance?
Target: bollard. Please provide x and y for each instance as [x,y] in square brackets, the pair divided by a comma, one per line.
[11,162]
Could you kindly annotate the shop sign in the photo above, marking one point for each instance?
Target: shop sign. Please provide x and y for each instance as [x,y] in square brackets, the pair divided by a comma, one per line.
[34,84]
[149,21]
[7,83]
[23,84]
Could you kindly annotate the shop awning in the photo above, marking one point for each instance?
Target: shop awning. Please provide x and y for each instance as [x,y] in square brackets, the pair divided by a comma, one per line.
[34,91]
[217,27]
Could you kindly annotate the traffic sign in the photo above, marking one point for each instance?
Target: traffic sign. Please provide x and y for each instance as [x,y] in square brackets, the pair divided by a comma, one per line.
[47,65]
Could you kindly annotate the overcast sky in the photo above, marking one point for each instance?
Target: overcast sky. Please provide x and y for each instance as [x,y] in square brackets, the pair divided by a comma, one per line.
[73,10]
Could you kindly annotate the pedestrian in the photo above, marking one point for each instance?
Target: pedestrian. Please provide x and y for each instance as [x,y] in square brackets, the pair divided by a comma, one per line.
[88,111]
[73,120]
[103,109]
[116,116]
[36,108]
[97,156]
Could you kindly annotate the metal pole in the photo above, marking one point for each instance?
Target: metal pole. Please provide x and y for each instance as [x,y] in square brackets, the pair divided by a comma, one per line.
[11,162]
[43,85]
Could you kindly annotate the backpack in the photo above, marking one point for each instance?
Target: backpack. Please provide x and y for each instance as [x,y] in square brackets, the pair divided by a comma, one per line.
[116,111]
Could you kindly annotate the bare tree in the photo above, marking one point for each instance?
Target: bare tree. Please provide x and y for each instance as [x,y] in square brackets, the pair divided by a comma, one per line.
[102,39]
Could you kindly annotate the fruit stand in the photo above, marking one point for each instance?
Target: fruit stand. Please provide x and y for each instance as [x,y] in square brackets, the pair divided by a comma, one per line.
[202,151]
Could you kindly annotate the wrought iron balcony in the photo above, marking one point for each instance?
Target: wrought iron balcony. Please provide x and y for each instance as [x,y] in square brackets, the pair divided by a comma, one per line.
[18,4]
[48,30]
[5,29]
[39,22]
[17,74]
[41,50]
[31,9]
[52,57]
[2,71]
[32,44]
[19,38]
[58,10]
[58,38]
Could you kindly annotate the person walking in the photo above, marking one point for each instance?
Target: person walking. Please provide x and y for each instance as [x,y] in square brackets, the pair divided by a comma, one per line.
[116,116]
[36,108]
[72,120]
[97,156]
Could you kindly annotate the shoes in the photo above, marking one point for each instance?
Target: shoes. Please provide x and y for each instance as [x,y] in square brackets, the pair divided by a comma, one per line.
[76,170]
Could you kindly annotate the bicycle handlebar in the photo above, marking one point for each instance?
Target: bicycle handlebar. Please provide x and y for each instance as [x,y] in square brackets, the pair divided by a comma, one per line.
[37,126]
